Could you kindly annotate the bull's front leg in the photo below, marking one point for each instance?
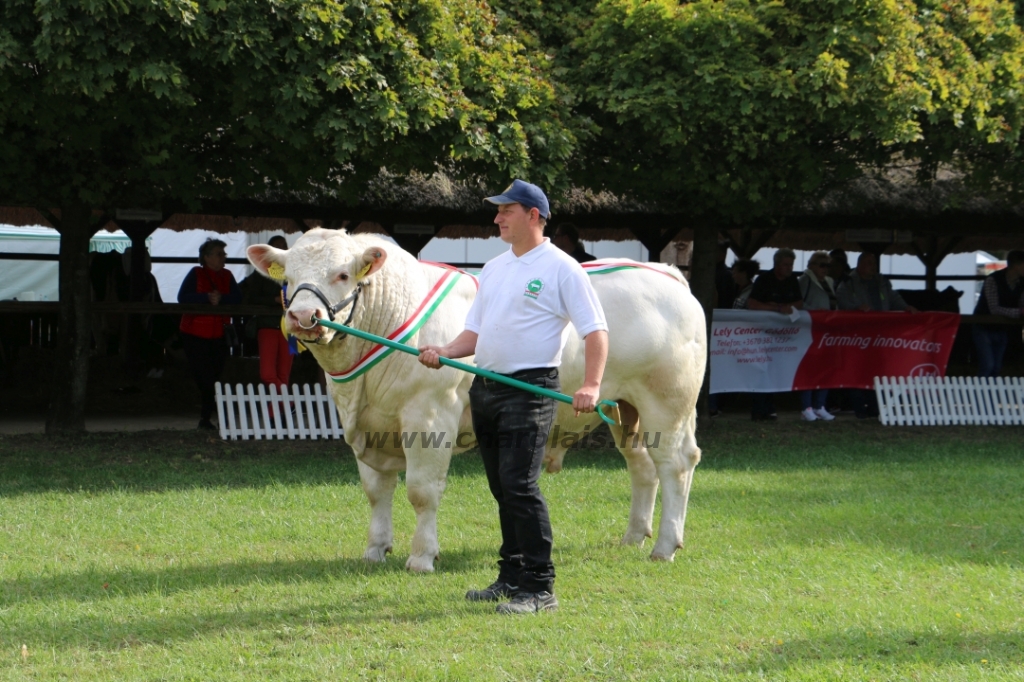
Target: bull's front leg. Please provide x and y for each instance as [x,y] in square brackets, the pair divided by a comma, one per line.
[380,490]
[425,478]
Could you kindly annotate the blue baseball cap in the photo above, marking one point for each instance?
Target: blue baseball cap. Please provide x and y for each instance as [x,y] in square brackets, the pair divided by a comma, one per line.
[529,196]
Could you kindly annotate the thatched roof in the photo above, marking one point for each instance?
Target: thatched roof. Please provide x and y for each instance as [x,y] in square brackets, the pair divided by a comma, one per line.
[893,203]
[25,215]
[894,206]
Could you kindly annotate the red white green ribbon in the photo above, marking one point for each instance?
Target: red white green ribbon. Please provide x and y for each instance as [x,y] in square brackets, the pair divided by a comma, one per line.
[605,266]
[404,332]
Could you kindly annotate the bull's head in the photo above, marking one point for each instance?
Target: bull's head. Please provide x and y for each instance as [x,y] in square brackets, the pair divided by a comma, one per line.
[325,272]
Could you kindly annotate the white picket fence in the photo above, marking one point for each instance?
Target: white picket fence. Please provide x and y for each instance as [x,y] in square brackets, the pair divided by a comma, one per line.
[295,413]
[930,401]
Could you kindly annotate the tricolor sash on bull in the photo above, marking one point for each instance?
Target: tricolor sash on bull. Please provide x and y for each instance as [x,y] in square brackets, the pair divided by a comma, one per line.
[405,331]
[604,266]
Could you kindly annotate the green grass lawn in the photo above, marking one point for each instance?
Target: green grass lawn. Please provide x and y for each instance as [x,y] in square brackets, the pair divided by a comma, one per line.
[814,551]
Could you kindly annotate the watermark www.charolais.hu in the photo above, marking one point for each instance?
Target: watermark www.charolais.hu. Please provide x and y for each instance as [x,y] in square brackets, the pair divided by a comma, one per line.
[436,440]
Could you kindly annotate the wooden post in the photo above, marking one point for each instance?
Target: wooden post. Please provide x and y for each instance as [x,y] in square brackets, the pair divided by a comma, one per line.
[932,256]
[66,413]
[411,241]
[654,239]
[750,241]
[702,284]
[131,338]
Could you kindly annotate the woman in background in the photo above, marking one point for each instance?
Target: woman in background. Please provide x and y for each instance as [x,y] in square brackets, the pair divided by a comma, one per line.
[202,336]
[818,293]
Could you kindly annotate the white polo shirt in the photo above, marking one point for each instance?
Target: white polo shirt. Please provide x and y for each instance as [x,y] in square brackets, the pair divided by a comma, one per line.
[522,311]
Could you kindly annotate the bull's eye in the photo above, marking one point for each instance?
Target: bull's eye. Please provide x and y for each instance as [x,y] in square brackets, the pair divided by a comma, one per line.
[343,277]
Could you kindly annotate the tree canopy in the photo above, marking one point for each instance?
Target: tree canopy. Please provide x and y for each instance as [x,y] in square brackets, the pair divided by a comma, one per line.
[141,100]
[109,104]
[739,108]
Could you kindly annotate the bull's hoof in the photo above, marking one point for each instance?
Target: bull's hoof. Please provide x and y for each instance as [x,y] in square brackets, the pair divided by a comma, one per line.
[553,467]
[657,556]
[376,555]
[635,538]
[420,564]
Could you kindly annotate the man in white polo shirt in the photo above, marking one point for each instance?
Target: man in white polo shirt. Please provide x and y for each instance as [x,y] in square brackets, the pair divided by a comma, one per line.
[516,327]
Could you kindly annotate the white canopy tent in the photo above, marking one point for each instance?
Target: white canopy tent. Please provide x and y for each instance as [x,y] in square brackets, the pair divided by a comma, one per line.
[37,280]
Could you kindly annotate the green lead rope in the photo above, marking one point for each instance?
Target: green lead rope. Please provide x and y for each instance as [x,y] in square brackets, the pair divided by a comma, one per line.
[500,378]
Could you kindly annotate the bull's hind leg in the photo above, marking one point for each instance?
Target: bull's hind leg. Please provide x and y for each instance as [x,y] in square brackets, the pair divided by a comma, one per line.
[643,476]
[675,458]
[380,489]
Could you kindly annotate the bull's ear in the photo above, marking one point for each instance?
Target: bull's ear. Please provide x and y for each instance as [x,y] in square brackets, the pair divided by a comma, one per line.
[268,260]
[370,262]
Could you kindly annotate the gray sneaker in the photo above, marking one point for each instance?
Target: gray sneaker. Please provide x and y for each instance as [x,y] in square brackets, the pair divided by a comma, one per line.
[529,602]
[497,591]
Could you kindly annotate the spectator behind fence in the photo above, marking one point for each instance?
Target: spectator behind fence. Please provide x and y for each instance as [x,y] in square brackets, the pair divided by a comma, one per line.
[725,286]
[202,336]
[839,267]
[1002,294]
[567,238]
[866,290]
[157,330]
[743,274]
[817,294]
[275,356]
[777,291]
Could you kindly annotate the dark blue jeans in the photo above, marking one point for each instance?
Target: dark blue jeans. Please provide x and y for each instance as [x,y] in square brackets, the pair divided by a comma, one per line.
[815,398]
[512,428]
[990,345]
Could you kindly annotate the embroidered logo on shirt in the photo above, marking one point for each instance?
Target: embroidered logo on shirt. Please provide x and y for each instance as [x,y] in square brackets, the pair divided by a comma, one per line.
[533,288]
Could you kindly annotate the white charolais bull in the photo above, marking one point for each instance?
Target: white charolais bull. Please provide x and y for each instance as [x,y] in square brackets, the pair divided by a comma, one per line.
[657,351]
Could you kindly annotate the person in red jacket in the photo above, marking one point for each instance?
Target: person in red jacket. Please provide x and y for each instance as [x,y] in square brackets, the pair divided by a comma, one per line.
[202,336]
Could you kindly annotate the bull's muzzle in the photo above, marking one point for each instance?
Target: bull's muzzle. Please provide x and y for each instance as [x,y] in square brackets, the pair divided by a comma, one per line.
[302,323]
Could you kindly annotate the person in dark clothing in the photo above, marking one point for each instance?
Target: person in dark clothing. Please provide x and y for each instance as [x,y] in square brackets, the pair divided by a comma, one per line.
[521,336]
[567,238]
[744,272]
[725,296]
[202,336]
[839,267]
[1002,294]
[778,291]
[725,285]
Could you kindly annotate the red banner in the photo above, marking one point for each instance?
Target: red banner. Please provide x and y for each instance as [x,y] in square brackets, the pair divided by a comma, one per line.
[848,349]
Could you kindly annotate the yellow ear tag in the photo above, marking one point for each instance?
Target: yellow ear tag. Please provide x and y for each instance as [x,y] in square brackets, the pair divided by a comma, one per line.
[362,273]
[276,271]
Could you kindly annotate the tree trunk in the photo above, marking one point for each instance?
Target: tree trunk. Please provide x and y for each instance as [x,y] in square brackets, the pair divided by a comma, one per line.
[66,414]
[702,283]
